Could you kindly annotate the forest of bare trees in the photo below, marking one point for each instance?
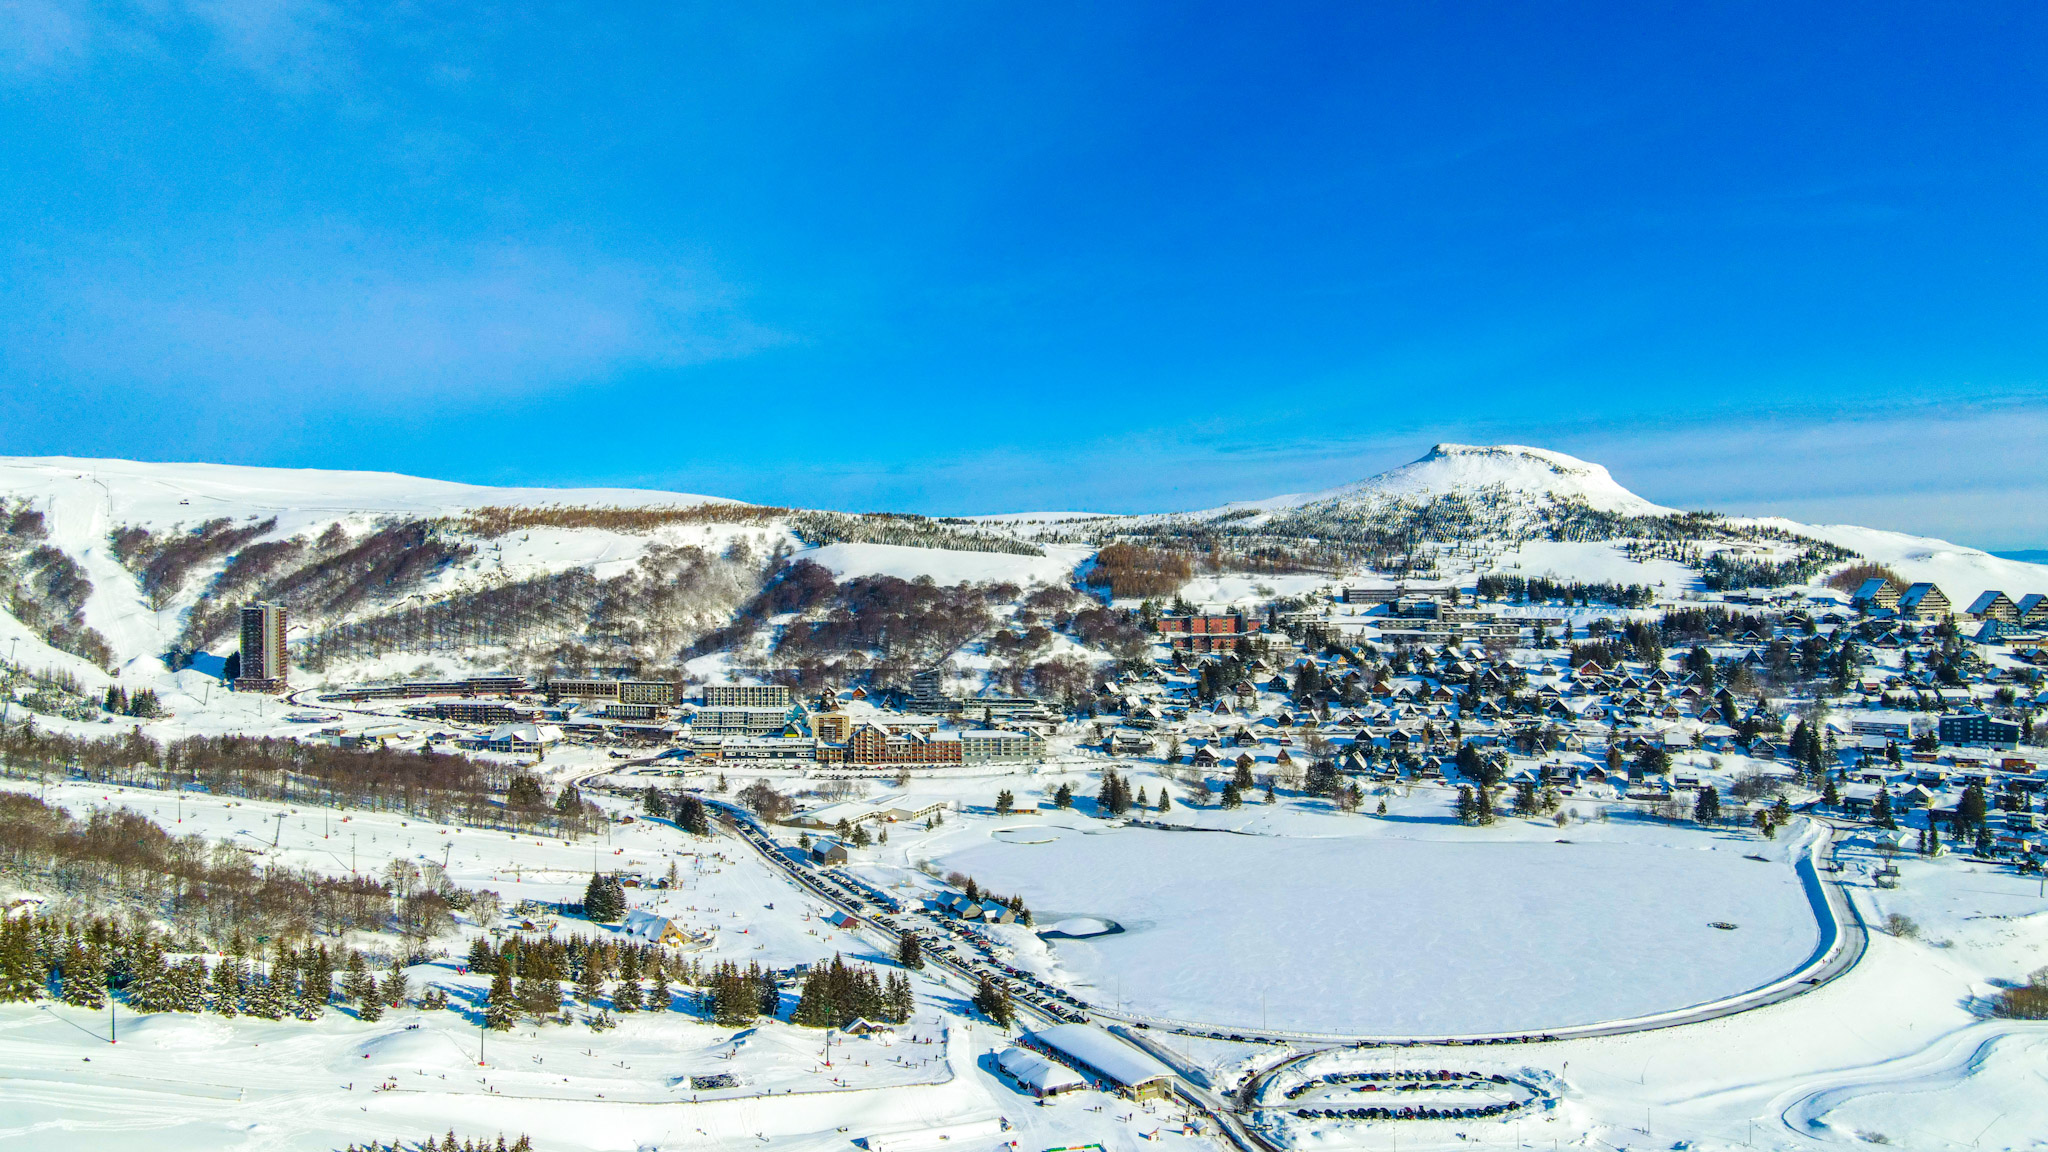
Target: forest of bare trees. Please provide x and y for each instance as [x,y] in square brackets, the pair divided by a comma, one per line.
[46,589]
[430,785]
[163,561]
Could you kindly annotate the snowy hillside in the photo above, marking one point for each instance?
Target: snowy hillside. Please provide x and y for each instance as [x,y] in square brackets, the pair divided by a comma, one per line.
[121,567]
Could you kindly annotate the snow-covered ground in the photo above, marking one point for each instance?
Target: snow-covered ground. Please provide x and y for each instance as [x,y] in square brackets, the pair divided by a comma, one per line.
[177,1082]
[849,560]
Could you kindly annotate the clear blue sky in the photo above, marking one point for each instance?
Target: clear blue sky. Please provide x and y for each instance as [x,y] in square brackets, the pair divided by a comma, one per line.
[961,257]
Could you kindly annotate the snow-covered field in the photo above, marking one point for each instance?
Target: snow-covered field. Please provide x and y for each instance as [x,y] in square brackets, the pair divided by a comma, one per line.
[182,1082]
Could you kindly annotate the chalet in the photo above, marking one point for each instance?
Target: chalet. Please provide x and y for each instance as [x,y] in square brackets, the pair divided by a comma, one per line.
[2032,608]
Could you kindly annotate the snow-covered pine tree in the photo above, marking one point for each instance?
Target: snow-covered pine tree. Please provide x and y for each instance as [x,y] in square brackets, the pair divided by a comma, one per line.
[84,975]
[188,985]
[394,989]
[229,980]
[267,998]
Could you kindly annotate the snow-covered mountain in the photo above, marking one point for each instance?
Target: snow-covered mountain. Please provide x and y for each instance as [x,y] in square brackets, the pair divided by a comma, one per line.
[1469,470]
[116,564]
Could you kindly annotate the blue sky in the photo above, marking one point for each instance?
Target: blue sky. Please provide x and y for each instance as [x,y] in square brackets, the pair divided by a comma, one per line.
[961,257]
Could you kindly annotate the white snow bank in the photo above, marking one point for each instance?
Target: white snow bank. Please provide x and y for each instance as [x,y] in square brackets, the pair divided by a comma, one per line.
[850,561]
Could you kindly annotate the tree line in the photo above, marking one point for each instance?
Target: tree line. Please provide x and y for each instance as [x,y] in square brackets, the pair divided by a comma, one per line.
[430,785]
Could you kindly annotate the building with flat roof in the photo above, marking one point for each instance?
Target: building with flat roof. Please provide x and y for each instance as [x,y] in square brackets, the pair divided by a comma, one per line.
[263,654]
[746,696]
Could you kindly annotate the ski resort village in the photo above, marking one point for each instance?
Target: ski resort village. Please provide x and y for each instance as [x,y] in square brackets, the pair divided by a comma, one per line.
[1480,803]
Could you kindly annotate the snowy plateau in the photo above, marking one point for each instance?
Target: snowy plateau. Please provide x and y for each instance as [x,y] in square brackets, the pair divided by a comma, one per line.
[1482,802]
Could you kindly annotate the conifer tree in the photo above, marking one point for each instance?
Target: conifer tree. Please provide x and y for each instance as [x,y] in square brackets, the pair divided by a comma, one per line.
[658,997]
[909,950]
[590,983]
[1165,801]
[358,987]
[268,993]
[1063,796]
[993,1001]
[626,997]
[1231,798]
[501,1009]
[316,984]
[1706,807]
[394,990]
[84,976]
[228,981]
[188,985]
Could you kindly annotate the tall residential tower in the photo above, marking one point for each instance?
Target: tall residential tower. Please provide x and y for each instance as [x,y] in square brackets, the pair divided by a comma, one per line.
[263,658]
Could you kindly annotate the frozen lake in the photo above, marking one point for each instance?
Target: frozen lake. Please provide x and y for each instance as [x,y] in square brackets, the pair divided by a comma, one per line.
[1388,935]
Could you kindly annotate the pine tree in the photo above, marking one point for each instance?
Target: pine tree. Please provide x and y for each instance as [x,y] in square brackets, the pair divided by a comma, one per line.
[1063,796]
[626,997]
[1165,801]
[658,997]
[1231,797]
[188,985]
[1706,807]
[392,993]
[84,976]
[690,815]
[1005,802]
[604,899]
[150,989]
[501,1009]
[1525,798]
[993,1001]
[590,983]
[909,951]
[1881,811]
[268,995]
[228,982]
[316,984]
[358,987]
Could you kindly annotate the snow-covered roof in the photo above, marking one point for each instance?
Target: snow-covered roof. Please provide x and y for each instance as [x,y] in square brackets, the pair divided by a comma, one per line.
[1087,1044]
[1036,1072]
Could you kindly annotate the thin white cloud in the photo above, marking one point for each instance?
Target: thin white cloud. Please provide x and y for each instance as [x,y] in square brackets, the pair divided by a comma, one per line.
[39,35]
[354,317]
[292,44]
